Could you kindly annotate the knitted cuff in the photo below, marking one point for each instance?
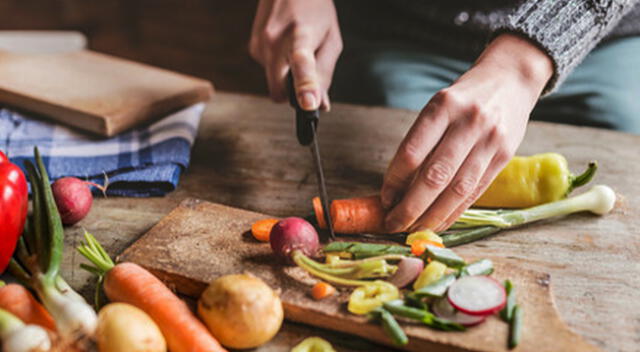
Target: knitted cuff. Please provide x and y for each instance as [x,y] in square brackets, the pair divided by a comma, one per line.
[566,30]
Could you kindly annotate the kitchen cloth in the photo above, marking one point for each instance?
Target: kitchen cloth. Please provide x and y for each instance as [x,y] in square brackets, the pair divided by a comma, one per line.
[142,162]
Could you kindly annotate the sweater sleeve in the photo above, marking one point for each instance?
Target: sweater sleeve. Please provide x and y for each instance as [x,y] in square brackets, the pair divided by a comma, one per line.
[567,30]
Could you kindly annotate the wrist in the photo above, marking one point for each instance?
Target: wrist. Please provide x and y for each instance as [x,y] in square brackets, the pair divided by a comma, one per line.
[520,58]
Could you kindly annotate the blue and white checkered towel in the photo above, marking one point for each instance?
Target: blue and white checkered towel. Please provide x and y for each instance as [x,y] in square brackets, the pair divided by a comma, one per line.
[143,162]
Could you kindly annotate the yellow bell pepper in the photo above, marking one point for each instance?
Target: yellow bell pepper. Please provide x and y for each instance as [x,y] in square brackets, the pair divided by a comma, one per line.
[313,344]
[533,180]
[422,235]
[368,297]
[431,273]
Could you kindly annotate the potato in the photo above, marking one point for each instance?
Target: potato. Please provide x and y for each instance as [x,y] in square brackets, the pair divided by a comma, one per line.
[241,311]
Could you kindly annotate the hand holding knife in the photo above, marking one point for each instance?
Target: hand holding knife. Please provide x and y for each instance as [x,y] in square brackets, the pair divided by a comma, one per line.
[306,131]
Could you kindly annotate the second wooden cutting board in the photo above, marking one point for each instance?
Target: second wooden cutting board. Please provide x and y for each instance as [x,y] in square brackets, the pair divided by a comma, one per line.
[200,241]
[95,92]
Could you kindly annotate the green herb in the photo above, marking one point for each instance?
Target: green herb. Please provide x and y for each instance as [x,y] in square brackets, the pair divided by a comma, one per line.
[361,250]
[437,288]
[390,326]
[480,267]
[507,312]
[445,256]
[515,327]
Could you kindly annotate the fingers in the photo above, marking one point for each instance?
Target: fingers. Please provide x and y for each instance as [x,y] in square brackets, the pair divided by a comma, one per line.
[434,176]
[327,56]
[497,164]
[460,193]
[420,140]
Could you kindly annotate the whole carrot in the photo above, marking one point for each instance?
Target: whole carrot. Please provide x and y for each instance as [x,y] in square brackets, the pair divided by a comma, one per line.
[354,215]
[132,284]
[17,300]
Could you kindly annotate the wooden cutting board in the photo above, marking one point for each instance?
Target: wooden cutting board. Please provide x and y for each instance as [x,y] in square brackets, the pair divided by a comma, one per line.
[95,92]
[200,241]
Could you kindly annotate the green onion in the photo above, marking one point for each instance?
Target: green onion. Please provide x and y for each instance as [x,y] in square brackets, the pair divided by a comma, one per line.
[480,267]
[507,312]
[397,307]
[437,288]
[515,327]
[391,327]
[475,224]
[18,337]
[361,250]
[445,256]
[75,319]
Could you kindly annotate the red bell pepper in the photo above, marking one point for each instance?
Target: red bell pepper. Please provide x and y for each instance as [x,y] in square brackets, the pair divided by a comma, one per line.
[14,204]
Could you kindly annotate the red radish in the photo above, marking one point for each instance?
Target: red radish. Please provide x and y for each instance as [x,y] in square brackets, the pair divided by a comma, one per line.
[292,234]
[409,268]
[477,295]
[73,198]
[443,309]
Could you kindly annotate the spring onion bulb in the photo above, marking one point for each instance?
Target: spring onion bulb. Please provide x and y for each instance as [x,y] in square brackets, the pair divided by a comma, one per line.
[18,337]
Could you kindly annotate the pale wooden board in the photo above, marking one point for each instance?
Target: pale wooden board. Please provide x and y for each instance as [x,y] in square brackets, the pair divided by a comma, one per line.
[200,241]
[95,92]
[246,155]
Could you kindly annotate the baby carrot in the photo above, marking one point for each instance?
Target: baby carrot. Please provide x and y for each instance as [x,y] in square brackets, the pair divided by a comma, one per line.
[322,290]
[17,300]
[261,229]
[354,215]
[132,284]
[419,246]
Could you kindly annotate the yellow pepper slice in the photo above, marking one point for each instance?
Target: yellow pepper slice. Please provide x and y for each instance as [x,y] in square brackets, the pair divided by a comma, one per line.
[423,235]
[313,344]
[431,273]
[368,297]
[533,180]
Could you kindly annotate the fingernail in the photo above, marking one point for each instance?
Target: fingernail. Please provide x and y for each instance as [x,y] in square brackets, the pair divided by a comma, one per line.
[308,101]
[387,198]
[393,225]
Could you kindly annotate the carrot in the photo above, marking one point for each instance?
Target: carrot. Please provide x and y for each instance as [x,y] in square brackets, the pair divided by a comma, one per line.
[419,246]
[261,229]
[355,215]
[317,208]
[322,290]
[132,284]
[17,300]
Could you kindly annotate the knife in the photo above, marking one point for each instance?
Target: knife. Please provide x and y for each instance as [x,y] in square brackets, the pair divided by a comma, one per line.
[306,131]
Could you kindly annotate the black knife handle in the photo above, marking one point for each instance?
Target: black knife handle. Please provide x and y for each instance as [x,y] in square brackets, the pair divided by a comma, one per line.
[304,118]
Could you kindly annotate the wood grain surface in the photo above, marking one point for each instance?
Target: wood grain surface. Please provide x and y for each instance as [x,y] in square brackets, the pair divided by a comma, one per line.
[95,92]
[201,241]
[246,156]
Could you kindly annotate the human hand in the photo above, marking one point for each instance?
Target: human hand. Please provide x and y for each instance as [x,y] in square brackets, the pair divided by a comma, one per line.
[301,36]
[464,136]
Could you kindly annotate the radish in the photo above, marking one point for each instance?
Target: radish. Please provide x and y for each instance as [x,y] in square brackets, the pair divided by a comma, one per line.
[443,309]
[73,198]
[294,235]
[477,295]
[409,268]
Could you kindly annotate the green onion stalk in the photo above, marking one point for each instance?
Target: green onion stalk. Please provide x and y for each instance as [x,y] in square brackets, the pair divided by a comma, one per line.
[16,336]
[475,224]
[38,258]
[348,272]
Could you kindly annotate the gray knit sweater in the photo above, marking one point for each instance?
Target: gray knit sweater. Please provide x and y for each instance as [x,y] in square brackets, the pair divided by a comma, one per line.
[567,30]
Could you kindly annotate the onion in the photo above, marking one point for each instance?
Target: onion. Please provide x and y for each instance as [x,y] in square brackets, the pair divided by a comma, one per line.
[409,268]
[123,327]
[292,234]
[241,311]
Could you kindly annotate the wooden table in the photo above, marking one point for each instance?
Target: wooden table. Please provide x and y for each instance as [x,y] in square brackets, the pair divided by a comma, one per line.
[246,156]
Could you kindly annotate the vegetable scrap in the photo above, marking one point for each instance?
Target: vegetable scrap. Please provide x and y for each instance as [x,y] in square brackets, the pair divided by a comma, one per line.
[322,290]
[261,229]
[313,344]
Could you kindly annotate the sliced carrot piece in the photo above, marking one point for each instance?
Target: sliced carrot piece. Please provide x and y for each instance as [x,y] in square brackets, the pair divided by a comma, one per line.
[322,290]
[419,246]
[317,208]
[261,229]
[358,215]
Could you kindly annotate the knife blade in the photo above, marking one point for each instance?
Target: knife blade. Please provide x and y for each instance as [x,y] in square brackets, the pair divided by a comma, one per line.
[306,131]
